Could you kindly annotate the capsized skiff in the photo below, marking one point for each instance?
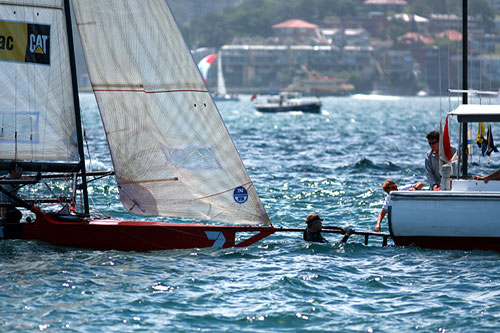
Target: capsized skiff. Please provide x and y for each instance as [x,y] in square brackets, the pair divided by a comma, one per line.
[171,152]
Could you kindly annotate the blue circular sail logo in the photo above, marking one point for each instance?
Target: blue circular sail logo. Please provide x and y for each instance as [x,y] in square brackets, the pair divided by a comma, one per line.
[240,195]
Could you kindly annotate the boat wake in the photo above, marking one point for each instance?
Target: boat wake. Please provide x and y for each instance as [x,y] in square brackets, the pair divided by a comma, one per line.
[376,97]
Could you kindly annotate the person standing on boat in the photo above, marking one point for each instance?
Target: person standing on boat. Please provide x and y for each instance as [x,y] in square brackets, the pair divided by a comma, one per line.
[432,164]
[313,231]
[389,186]
[8,210]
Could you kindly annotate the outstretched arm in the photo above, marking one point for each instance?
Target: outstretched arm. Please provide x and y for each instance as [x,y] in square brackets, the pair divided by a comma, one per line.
[381,216]
[417,186]
[493,176]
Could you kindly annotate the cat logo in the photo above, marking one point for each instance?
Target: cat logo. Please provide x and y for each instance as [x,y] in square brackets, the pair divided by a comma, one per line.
[25,42]
[38,43]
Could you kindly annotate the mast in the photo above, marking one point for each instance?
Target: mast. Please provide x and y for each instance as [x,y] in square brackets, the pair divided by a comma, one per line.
[76,102]
[464,85]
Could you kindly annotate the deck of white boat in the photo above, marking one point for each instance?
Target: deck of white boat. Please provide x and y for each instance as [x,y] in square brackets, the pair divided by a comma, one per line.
[460,187]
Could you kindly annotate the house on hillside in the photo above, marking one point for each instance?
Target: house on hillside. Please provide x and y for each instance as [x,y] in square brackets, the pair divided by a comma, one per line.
[485,43]
[342,37]
[417,23]
[442,22]
[400,70]
[451,35]
[385,5]
[415,43]
[359,59]
[298,32]
[414,38]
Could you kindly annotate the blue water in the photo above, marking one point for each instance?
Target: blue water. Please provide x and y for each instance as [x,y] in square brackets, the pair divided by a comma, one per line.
[332,163]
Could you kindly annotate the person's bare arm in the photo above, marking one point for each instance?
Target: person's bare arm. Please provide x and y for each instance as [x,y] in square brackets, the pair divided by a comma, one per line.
[417,186]
[492,176]
[381,216]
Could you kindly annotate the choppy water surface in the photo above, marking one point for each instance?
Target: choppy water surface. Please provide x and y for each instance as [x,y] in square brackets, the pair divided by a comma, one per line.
[332,163]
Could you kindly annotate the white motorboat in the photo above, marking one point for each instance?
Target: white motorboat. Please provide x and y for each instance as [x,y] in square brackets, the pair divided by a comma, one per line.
[464,216]
[288,101]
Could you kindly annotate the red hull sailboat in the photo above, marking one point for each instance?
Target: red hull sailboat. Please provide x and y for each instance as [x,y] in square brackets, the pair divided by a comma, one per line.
[171,152]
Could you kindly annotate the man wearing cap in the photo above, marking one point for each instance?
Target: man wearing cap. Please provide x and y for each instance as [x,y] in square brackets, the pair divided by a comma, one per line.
[313,230]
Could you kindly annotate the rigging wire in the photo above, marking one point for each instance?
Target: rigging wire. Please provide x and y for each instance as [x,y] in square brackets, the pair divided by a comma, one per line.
[490,65]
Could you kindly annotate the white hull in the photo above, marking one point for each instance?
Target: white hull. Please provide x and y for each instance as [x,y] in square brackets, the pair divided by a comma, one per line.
[467,217]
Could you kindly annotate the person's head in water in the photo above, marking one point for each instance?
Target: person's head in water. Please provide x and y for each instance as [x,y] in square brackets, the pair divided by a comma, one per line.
[314,223]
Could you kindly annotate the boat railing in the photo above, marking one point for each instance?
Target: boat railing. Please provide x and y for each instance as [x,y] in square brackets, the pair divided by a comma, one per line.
[463,185]
[473,92]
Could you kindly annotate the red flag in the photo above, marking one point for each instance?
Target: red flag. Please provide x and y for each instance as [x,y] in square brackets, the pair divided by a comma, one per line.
[254,96]
[446,141]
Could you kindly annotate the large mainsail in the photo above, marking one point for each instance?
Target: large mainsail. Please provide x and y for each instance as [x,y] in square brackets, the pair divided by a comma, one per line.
[171,151]
[37,119]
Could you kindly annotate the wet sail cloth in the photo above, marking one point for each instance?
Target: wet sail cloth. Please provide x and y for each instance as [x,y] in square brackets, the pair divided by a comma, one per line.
[37,119]
[171,151]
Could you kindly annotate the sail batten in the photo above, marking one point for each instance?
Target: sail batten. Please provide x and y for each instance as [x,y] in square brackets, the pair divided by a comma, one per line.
[171,151]
[112,88]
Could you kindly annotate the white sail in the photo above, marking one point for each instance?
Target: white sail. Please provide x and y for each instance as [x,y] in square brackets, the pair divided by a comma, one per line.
[221,84]
[37,119]
[171,151]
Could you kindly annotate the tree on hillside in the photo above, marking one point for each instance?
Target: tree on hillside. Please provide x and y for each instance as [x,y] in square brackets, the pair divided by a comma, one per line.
[256,18]
[483,10]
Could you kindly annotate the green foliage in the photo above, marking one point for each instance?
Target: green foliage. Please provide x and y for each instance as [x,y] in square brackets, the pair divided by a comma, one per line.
[256,18]
[483,10]
[357,80]
[427,7]
[444,43]
[398,28]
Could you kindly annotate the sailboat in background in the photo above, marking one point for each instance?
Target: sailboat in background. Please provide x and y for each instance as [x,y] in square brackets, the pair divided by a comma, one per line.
[221,94]
[204,66]
[171,152]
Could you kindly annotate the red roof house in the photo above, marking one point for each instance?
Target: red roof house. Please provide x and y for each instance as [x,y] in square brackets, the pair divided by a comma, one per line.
[414,38]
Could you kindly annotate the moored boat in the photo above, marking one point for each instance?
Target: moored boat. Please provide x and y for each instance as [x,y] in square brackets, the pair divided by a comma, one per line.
[289,101]
[465,217]
[464,214]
